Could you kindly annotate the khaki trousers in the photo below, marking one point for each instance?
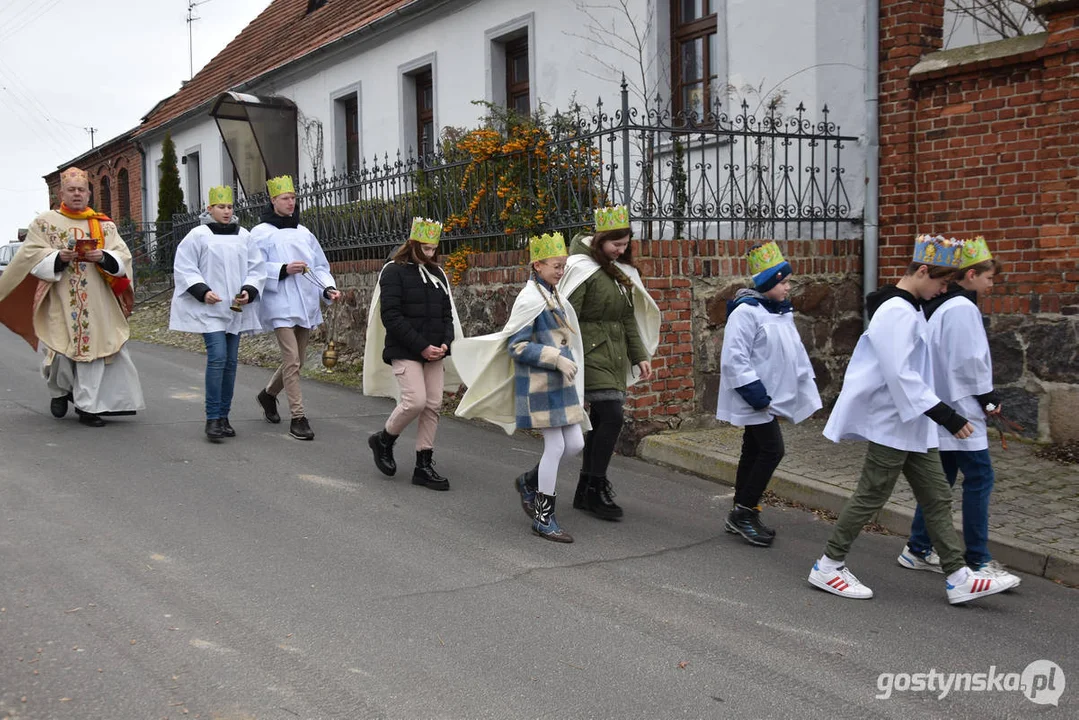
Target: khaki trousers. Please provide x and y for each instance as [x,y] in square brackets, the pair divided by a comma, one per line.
[293,344]
[421,397]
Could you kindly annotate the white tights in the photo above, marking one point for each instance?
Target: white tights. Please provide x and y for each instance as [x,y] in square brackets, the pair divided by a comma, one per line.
[559,442]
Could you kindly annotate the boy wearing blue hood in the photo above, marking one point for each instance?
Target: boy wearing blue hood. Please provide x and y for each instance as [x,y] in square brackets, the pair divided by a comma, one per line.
[765,374]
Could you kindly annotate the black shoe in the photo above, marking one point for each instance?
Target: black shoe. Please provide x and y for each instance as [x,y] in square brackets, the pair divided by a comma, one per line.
[544,523]
[300,429]
[58,406]
[214,430]
[226,428]
[599,499]
[764,528]
[268,403]
[746,522]
[89,419]
[425,474]
[582,486]
[527,484]
[381,444]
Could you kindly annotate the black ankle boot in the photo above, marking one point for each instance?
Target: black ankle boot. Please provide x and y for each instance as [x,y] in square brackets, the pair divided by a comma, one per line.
[526,484]
[226,428]
[582,486]
[746,522]
[425,474]
[598,499]
[381,444]
[764,528]
[214,431]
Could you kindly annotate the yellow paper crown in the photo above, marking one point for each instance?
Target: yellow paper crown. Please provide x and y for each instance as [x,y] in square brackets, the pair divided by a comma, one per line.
[425,231]
[612,218]
[974,251]
[764,257]
[543,247]
[938,251]
[221,195]
[280,184]
[74,174]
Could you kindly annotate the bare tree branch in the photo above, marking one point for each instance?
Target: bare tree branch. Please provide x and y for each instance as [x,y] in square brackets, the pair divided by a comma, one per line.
[1004,18]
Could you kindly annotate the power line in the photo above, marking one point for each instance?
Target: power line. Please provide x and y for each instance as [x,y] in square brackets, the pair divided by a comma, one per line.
[31,20]
[19,89]
[91,130]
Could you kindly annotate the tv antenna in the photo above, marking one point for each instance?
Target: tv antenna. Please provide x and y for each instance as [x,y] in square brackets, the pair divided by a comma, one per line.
[191,18]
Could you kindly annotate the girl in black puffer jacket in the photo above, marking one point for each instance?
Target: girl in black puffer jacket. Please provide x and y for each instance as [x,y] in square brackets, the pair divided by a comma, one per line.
[418,317]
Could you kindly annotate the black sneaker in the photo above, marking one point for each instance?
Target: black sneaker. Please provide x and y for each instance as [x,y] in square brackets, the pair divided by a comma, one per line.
[746,522]
[300,429]
[268,403]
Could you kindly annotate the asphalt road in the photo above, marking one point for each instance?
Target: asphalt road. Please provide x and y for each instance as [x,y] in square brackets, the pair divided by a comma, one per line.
[145,573]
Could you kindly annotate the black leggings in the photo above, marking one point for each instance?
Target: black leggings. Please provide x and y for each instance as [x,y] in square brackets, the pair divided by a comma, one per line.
[606,417]
[762,449]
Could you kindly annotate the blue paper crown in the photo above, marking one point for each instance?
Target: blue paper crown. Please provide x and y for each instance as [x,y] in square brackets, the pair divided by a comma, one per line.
[937,251]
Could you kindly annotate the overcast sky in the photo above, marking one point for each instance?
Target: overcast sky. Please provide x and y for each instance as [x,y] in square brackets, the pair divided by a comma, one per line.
[66,65]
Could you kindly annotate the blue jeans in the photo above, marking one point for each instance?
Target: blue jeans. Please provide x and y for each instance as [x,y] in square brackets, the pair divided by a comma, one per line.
[222,353]
[977,487]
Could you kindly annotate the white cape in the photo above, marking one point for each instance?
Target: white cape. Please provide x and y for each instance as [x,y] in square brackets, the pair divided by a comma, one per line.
[378,379]
[645,311]
[962,368]
[488,370]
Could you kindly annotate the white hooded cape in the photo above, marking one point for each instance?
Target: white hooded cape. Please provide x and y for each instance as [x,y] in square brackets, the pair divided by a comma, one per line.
[488,370]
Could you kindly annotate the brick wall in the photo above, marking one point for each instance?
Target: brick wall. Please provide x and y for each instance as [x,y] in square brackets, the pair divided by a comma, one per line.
[691,282]
[984,141]
[108,161]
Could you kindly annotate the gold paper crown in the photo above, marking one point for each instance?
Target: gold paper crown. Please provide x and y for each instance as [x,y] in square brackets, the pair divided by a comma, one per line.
[543,247]
[612,218]
[221,195]
[974,251]
[764,257]
[425,231]
[938,251]
[280,184]
[74,174]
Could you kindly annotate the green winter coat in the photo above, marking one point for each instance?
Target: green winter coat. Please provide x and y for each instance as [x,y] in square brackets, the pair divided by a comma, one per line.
[612,344]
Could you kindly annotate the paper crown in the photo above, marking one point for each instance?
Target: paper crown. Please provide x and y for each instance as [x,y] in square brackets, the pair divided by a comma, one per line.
[221,195]
[937,251]
[764,257]
[612,218]
[74,174]
[974,251]
[425,231]
[280,184]
[543,247]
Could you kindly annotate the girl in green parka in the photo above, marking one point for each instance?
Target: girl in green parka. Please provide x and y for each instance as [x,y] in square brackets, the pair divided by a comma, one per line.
[620,329]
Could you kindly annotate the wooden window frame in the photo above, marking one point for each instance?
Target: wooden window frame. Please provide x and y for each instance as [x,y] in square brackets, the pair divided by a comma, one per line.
[699,29]
[350,106]
[424,80]
[515,49]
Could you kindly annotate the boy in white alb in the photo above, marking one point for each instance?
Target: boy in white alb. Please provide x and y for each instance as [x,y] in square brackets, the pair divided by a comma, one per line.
[887,399]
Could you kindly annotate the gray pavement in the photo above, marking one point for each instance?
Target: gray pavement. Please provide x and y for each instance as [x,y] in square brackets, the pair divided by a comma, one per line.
[1034,513]
[145,573]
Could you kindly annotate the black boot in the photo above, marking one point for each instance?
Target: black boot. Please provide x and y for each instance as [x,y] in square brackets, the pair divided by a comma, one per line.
[425,474]
[268,403]
[526,485]
[214,431]
[300,429]
[226,428]
[598,499]
[582,486]
[764,528]
[381,443]
[746,522]
[544,523]
[90,419]
[58,406]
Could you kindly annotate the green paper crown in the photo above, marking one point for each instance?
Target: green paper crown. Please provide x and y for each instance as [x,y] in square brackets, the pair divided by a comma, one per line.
[974,251]
[937,251]
[612,218]
[221,195]
[764,257]
[425,231]
[543,247]
[280,184]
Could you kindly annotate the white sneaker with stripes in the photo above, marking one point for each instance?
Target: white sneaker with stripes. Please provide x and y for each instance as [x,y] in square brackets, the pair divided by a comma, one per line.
[840,581]
[979,584]
[913,561]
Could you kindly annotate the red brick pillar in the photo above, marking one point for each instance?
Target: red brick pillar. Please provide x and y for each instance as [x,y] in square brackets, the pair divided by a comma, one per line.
[908,30]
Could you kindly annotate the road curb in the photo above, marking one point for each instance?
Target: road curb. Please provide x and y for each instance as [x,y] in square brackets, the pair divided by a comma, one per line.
[720,467]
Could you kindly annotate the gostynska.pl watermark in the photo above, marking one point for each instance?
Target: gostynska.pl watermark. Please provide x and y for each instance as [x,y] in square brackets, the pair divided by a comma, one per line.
[1041,682]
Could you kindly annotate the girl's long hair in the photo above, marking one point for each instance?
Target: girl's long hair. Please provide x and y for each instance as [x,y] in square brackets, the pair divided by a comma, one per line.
[412,252]
[605,263]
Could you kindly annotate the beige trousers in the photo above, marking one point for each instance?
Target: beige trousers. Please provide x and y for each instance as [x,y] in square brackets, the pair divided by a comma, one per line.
[293,344]
[421,397]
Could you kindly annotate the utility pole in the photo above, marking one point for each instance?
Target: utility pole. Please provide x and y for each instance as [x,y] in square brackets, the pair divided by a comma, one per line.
[91,130]
[191,18]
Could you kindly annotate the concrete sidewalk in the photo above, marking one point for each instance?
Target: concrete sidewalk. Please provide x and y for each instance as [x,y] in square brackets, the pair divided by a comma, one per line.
[1034,516]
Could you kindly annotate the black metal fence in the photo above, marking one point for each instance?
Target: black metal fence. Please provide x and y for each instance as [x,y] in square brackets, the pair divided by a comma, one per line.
[718,176]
